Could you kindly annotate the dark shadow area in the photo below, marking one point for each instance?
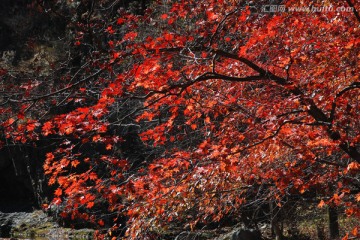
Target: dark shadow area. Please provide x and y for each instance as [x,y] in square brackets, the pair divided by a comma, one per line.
[16,193]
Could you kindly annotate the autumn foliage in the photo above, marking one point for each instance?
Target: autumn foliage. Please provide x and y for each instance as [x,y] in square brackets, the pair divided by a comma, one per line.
[223,97]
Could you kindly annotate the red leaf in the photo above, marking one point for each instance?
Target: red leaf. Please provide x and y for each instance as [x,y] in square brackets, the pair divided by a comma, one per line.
[130,36]
[168,36]
[58,192]
[120,21]
[93,176]
[101,222]
[211,15]
[90,205]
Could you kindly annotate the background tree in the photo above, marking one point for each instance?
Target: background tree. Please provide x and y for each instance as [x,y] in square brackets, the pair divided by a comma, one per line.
[232,105]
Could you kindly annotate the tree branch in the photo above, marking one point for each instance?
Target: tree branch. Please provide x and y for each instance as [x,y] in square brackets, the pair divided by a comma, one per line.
[60,90]
[354,10]
[354,85]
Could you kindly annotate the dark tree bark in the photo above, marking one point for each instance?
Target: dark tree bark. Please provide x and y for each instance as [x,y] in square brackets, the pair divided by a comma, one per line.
[276,231]
[333,222]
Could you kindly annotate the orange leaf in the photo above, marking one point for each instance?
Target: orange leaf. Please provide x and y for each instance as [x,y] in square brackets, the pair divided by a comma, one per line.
[355,232]
[47,128]
[93,176]
[207,120]
[90,205]
[58,192]
[75,163]
[353,166]
[321,204]
[358,197]
[96,138]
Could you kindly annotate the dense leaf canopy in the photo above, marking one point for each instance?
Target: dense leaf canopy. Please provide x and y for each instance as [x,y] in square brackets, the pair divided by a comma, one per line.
[224,97]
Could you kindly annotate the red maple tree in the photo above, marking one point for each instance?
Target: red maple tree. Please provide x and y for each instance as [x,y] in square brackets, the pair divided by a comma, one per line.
[226,97]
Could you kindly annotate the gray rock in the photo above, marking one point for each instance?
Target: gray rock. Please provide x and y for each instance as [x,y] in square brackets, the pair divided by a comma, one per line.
[186,236]
[241,233]
[37,224]
[7,222]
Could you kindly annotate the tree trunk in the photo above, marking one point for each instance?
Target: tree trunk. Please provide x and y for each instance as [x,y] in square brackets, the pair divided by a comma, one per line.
[333,223]
[275,228]
[320,232]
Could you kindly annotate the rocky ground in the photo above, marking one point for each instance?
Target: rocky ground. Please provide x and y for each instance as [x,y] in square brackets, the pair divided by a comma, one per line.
[37,225]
